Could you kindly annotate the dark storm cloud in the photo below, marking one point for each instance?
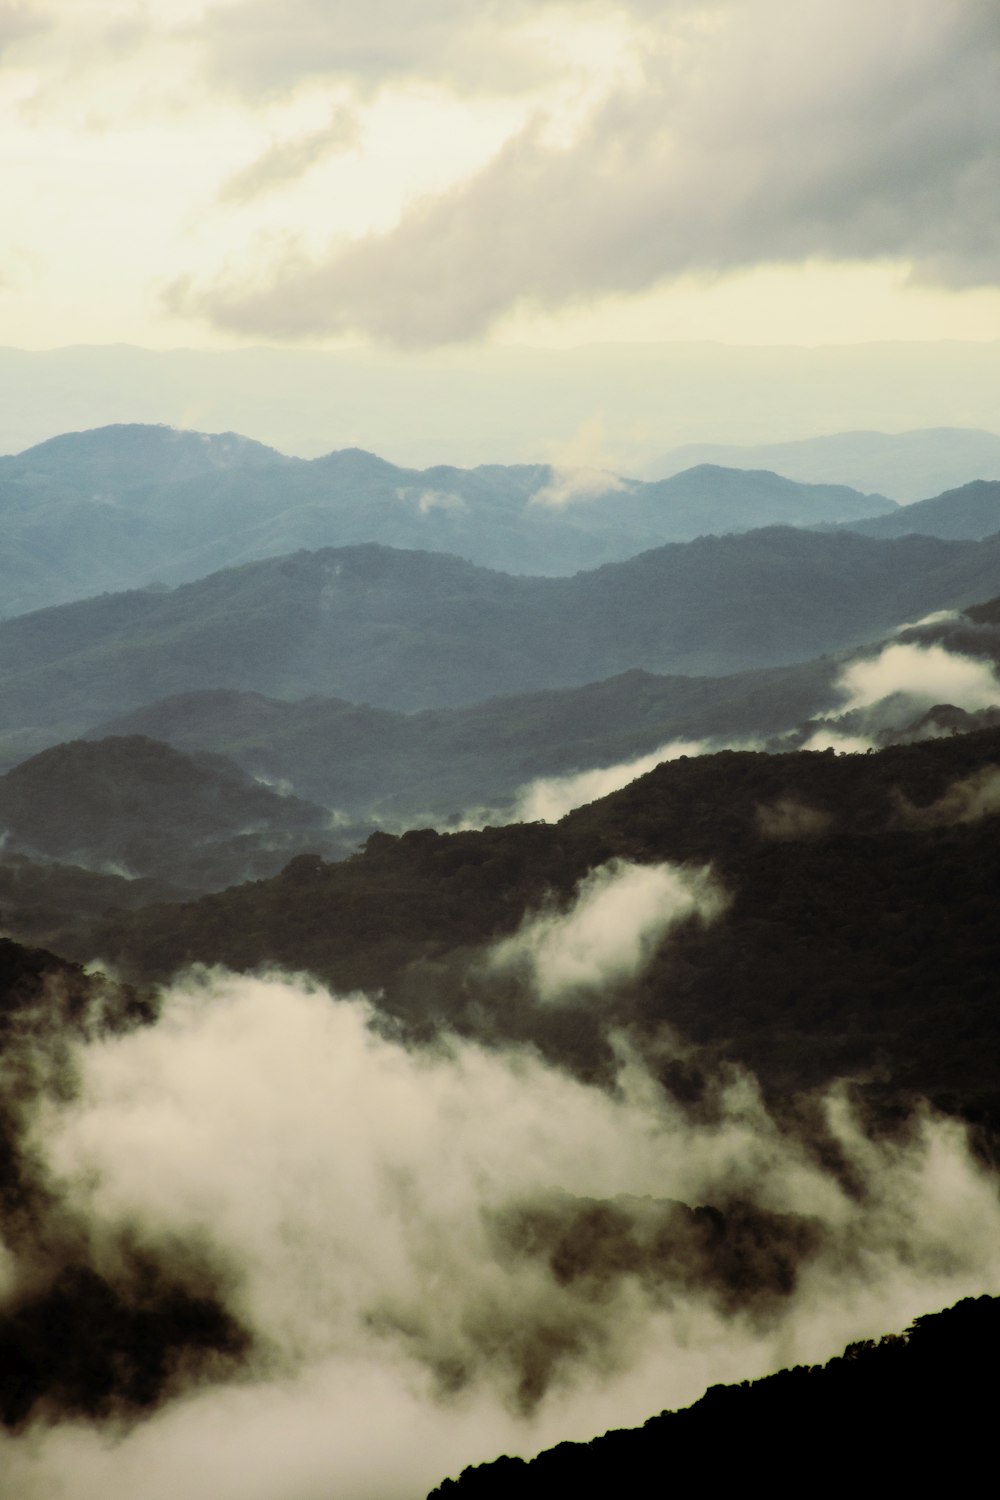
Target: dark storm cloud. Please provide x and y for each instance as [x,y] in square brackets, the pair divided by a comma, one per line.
[784,132]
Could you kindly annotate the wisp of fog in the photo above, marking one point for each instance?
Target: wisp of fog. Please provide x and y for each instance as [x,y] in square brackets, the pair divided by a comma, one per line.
[441,1252]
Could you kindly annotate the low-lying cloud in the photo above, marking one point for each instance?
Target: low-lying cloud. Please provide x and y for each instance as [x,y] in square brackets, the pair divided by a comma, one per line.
[442,1254]
[789,819]
[926,675]
[966,801]
[568,486]
[620,914]
[549,798]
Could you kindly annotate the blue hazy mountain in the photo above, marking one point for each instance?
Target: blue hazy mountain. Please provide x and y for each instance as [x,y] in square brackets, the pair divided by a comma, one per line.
[122,507]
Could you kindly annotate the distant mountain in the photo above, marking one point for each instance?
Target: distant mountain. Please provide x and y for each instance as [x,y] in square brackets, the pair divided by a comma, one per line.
[905,465]
[382,763]
[129,506]
[858,1409]
[416,630]
[132,807]
[971,512]
[375,761]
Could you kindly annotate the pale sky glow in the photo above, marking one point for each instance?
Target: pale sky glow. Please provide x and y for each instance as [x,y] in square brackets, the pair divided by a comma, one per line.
[767,171]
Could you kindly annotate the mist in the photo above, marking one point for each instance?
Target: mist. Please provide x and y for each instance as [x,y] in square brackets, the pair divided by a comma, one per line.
[927,675]
[441,1253]
[620,914]
[549,798]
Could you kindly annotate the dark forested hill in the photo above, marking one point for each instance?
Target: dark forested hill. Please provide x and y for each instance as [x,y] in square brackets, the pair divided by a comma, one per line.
[860,931]
[416,630]
[120,507]
[133,807]
[859,1415]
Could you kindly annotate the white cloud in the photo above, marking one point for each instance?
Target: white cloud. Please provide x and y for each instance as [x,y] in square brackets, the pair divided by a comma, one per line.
[620,914]
[549,798]
[427,500]
[364,1200]
[927,675]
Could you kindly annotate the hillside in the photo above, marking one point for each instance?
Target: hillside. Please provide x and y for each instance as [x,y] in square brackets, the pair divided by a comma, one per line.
[857,1411]
[132,807]
[970,512]
[418,630]
[906,465]
[859,933]
[366,760]
[122,507]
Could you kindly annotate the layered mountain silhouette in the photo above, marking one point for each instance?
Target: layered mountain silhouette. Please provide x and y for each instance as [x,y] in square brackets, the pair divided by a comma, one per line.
[123,507]
[973,511]
[415,630]
[906,465]
[859,936]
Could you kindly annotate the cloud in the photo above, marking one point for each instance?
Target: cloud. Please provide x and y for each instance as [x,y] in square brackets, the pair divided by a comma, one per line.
[19,20]
[842,744]
[966,801]
[466,44]
[620,914]
[288,161]
[549,798]
[569,485]
[427,500]
[447,1253]
[579,469]
[788,819]
[777,133]
[926,675]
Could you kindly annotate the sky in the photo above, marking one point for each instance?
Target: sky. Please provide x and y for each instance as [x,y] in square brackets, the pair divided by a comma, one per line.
[479,173]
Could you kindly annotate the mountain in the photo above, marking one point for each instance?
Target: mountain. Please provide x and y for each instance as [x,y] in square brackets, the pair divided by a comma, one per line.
[904,465]
[374,761]
[128,506]
[416,630]
[860,1409]
[477,760]
[858,936]
[135,808]
[970,512]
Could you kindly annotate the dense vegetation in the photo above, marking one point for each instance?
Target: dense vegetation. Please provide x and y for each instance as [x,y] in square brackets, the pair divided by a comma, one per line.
[129,805]
[861,932]
[909,1409]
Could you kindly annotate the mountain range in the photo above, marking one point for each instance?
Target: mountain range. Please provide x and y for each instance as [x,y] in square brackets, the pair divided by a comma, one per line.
[973,511]
[415,630]
[123,507]
[904,465]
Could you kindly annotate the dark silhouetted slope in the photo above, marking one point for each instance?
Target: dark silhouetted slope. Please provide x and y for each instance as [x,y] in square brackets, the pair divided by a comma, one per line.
[913,1410]
[133,806]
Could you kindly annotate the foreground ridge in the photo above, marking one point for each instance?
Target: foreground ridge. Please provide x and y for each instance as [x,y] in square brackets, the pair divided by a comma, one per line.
[888,1409]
